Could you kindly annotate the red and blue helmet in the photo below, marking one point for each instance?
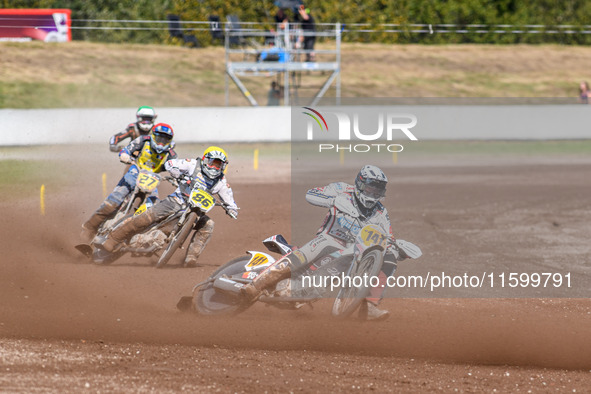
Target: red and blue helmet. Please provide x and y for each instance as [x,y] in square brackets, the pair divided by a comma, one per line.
[161,137]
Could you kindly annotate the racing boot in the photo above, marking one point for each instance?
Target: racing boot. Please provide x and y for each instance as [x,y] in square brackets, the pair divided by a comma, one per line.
[200,239]
[126,229]
[100,255]
[269,277]
[369,309]
[376,314]
[90,227]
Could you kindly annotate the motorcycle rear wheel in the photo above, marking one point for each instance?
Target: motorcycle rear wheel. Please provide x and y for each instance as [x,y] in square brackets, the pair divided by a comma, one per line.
[178,239]
[208,301]
[349,298]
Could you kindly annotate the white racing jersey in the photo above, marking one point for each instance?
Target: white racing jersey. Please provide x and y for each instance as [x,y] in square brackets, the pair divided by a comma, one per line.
[337,223]
[192,168]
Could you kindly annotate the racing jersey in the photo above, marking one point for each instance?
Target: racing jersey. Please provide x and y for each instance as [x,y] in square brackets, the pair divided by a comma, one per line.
[131,132]
[337,223]
[145,157]
[192,168]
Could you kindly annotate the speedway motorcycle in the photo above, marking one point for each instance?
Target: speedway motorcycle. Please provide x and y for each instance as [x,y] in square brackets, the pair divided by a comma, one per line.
[220,293]
[162,238]
[134,203]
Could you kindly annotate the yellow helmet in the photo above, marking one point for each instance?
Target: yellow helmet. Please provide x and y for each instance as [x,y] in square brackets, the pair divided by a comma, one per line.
[214,162]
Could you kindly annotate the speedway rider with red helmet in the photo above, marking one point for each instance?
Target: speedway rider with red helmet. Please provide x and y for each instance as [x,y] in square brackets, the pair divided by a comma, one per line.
[208,173]
[335,233]
[145,121]
[150,152]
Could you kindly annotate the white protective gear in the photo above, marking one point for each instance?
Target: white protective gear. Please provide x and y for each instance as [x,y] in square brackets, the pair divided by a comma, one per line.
[341,225]
[190,168]
[124,158]
[175,172]
[232,213]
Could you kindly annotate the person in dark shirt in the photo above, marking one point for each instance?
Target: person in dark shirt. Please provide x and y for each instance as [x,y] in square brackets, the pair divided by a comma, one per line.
[309,28]
[274,95]
[281,19]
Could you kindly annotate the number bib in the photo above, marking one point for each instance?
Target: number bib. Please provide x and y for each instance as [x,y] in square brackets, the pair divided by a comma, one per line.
[202,199]
[147,182]
[371,235]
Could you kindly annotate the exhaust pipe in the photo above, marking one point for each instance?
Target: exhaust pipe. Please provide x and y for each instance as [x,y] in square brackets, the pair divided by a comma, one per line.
[228,286]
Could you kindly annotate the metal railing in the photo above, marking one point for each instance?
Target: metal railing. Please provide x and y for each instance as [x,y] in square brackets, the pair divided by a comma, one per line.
[408,28]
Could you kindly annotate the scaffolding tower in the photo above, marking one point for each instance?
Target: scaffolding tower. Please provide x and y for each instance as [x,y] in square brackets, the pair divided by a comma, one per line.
[281,57]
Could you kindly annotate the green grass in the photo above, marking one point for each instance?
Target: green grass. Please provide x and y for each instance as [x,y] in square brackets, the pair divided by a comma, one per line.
[85,74]
[53,95]
[461,149]
[530,148]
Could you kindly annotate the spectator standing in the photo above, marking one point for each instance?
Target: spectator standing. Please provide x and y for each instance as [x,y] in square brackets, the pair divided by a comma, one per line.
[281,19]
[309,29]
[584,92]
[274,95]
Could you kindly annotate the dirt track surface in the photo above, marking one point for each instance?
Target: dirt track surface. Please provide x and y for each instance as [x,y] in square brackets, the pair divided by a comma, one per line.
[69,326]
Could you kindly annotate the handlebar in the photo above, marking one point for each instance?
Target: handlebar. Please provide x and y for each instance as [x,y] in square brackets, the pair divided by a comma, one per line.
[226,206]
[171,180]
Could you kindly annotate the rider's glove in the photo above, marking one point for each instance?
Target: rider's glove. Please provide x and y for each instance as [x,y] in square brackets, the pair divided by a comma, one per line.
[124,158]
[175,172]
[186,179]
[232,213]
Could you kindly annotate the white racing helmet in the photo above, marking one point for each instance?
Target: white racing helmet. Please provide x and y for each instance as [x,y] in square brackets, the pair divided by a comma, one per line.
[145,118]
[214,162]
[370,186]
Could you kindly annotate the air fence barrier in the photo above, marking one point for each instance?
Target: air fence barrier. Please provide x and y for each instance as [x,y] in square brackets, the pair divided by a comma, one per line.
[273,124]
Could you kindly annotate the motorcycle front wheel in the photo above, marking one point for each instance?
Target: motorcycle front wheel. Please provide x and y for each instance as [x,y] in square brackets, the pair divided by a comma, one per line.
[349,298]
[177,240]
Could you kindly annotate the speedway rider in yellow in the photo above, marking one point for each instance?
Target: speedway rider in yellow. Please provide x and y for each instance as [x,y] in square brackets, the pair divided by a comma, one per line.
[207,173]
[150,152]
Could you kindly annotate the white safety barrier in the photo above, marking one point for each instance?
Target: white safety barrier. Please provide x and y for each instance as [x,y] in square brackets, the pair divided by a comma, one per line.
[273,124]
[79,126]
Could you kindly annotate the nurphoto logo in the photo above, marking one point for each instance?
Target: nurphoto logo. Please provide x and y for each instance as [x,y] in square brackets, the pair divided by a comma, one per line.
[359,126]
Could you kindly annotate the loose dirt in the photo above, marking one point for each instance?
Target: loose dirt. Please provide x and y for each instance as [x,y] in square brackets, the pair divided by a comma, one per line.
[69,326]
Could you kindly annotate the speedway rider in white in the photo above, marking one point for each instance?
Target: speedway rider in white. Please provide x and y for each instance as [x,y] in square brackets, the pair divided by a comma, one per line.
[335,233]
[208,173]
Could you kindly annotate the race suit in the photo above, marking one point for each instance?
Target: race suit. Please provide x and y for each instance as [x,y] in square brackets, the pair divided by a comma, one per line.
[132,131]
[145,158]
[339,229]
[189,168]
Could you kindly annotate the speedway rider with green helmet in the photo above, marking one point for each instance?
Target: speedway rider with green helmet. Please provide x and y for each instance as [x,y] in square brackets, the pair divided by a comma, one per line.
[150,152]
[335,234]
[145,121]
[208,173]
